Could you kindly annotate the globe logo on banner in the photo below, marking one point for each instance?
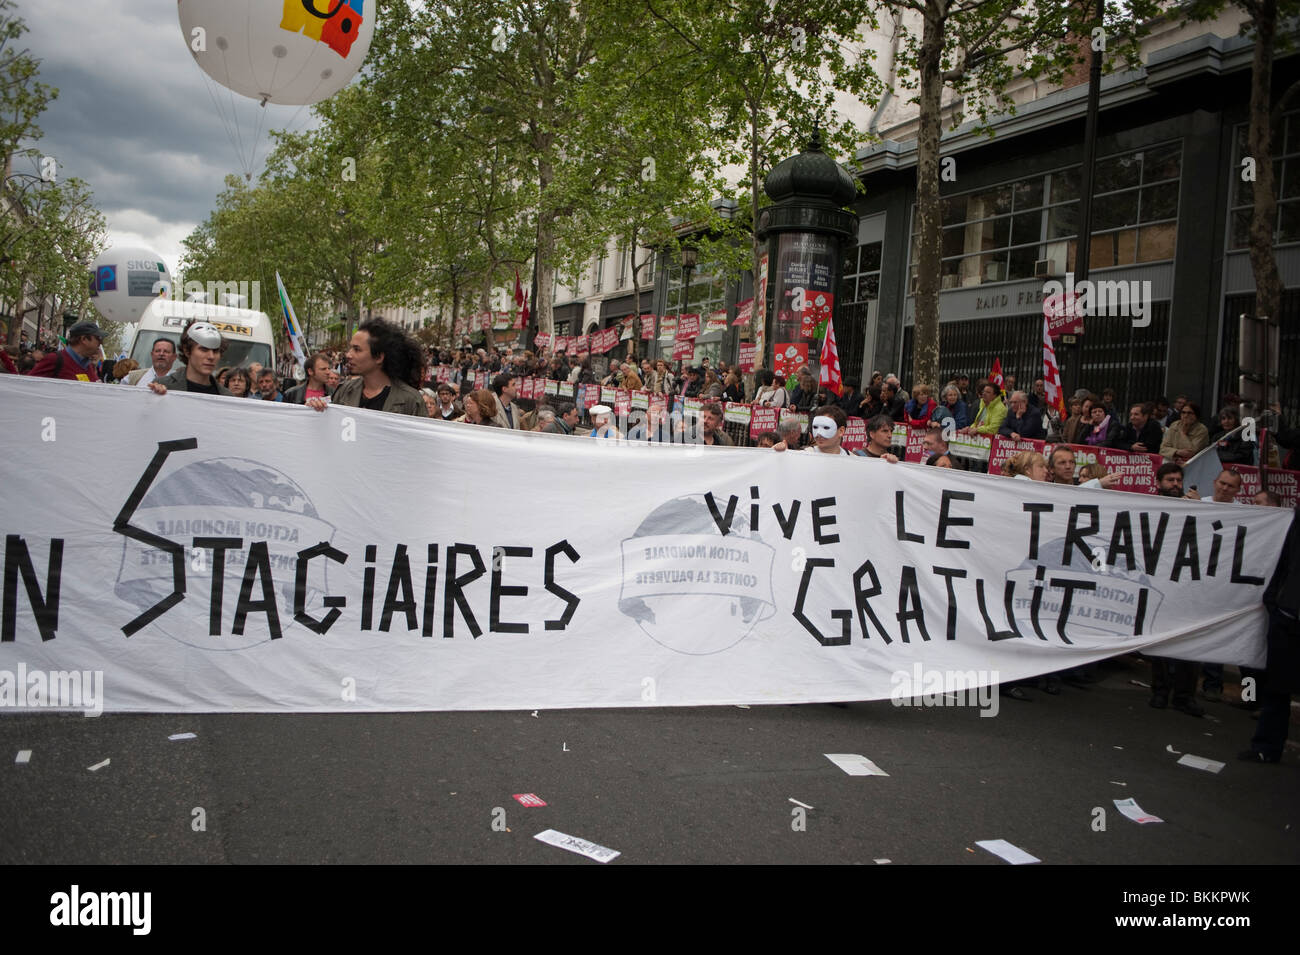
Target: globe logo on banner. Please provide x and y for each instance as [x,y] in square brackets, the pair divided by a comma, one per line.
[1121,602]
[235,499]
[688,587]
[337,27]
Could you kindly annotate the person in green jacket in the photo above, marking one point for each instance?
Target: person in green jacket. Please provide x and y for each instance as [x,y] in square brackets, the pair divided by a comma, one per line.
[991,411]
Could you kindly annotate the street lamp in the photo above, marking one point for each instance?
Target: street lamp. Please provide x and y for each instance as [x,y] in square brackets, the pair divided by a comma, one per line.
[690,258]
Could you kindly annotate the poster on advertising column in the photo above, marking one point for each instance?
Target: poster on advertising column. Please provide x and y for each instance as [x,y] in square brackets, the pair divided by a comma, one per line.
[806,270]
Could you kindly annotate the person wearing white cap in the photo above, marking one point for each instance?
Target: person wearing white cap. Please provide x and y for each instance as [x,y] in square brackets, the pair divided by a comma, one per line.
[601,418]
[201,350]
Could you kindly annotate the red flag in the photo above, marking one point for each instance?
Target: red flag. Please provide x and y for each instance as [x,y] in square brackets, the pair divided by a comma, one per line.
[1051,372]
[995,375]
[519,290]
[830,362]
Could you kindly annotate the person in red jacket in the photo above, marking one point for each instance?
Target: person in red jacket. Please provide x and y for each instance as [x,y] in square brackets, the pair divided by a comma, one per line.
[918,410]
[77,361]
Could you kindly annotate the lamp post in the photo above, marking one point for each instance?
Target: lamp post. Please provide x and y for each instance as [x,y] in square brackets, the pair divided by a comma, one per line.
[690,258]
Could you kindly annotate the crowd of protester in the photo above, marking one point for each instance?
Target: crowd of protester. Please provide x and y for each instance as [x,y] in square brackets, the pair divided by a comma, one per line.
[386,369]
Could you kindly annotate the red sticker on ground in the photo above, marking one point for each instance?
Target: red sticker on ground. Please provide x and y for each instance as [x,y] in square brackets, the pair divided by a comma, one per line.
[529,799]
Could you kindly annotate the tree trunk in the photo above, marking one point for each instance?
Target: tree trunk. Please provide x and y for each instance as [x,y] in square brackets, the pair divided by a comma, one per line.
[760,333]
[1268,283]
[925,334]
[545,275]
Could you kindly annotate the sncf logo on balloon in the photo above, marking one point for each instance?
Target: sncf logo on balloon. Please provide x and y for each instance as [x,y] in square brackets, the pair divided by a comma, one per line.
[336,25]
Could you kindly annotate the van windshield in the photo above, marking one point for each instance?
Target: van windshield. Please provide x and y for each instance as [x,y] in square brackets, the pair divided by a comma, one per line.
[240,354]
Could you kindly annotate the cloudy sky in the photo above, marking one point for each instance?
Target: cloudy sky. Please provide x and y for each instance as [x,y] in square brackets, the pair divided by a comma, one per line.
[136,118]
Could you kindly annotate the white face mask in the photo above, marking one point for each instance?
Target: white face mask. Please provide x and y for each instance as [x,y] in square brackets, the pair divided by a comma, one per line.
[824,427]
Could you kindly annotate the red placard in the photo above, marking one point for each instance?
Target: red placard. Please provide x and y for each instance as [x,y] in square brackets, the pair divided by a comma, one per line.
[658,406]
[688,326]
[605,341]
[526,388]
[1003,448]
[762,418]
[817,308]
[855,434]
[443,374]
[717,321]
[562,343]
[578,345]
[647,327]
[683,350]
[542,341]
[790,357]
[1137,470]
[916,452]
[622,401]
[748,353]
[1064,316]
[1283,483]
[744,312]
[480,380]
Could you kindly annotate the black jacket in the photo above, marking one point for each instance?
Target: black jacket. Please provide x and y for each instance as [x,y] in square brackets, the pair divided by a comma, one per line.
[1151,437]
[1283,591]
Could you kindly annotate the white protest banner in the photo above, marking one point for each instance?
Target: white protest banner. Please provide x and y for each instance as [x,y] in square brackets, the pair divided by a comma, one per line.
[226,555]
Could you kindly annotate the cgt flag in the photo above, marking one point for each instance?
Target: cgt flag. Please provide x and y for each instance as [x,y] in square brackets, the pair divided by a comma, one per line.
[995,376]
[1051,372]
[829,360]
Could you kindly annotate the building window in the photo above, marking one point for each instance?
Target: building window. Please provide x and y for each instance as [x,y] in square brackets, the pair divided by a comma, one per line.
[1286,183]
[622,266]
[861,271]
[1000,234]
[599,272]
[707,294]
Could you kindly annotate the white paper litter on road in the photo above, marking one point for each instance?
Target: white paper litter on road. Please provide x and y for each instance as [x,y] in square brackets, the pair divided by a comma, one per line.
[855,764]
[1114,783]
[1169,748]
[1200,762]
[798,803]
[742,706]
[183,736]
[98,766]
[24,756]
[1132,810]
[1005,850]
[1145,686]
[1117,747]
[581,846]
[882,861]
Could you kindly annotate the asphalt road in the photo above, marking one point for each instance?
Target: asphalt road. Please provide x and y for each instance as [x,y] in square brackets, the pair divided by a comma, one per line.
[698,785]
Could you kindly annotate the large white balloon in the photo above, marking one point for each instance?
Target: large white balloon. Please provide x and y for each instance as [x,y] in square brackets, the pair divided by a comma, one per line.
[289,52]
[125,279]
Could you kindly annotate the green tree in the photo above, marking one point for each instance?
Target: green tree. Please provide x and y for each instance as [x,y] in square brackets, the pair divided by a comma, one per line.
[1271,23]
[975,48]
[556,105]
[769,72]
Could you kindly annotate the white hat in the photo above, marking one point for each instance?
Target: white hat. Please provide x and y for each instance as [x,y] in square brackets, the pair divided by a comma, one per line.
[597,410]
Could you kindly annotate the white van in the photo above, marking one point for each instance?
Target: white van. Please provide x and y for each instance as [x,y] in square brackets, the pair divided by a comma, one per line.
[249,333]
